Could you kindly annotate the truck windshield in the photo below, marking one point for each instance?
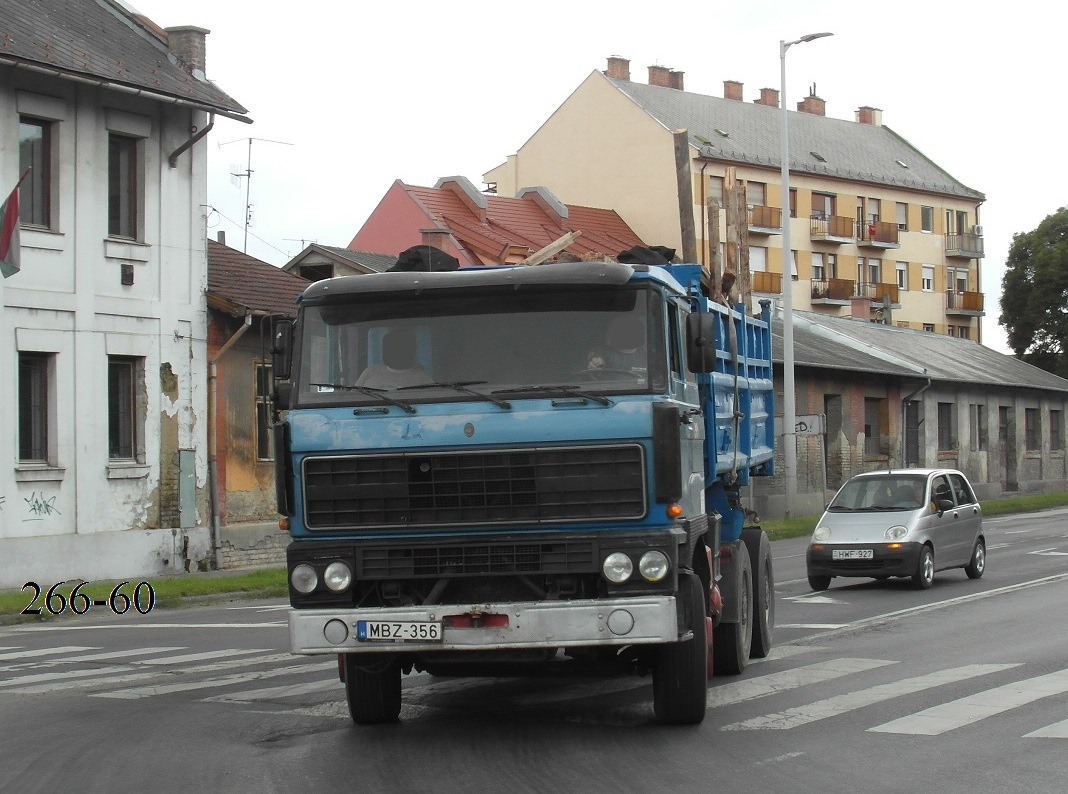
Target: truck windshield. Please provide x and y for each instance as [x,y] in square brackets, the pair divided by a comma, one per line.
[445,347]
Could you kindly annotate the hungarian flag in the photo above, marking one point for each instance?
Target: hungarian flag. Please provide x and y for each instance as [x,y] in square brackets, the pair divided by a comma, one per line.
[9,234]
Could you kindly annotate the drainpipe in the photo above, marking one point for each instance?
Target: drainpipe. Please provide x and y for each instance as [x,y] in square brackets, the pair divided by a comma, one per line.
[213,441]
[173,159]
[904,405]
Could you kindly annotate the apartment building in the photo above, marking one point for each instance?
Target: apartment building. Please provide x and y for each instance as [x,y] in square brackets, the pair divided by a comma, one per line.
[877,228]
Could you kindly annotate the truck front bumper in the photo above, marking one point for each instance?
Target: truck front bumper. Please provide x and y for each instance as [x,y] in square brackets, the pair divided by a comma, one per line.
[535,624]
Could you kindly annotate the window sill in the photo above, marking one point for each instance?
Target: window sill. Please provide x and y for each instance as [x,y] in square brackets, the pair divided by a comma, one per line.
[43,239]
[127,471]
[116,248]
[39,473]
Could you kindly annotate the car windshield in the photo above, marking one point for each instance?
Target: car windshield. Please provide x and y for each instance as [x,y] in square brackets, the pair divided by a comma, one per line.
[491,345]
[882,492]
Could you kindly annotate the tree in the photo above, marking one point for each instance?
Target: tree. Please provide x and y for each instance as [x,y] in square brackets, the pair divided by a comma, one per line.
[1034,294]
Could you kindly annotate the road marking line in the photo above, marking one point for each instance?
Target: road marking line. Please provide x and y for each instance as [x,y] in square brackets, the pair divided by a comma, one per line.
[270,693]
[833,706]
[135,693]
[64,675]
[810,625]
[740,691]
[965,711]
[1058,730]
[196,657]
[46,651]
[89,657]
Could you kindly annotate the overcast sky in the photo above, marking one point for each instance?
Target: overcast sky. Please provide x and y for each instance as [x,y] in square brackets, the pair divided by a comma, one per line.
[349,96]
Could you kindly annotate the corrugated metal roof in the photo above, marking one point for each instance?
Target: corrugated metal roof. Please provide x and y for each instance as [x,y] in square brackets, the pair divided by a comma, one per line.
[251,284]
[859,346]
[850,150]
[106,42]
[370,260]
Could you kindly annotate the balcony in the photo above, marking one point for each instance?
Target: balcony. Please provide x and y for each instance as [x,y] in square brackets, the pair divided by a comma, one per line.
[967,246]
[765,220]
[831,229]
[878,234]
[766,283]
[877,292]
[964,304]
[832,291]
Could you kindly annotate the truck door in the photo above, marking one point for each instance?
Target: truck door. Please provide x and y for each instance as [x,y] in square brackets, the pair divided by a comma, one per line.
[683,390]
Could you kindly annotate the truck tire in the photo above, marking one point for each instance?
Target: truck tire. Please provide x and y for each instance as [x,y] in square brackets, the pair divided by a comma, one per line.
[372,688]
[759,547]
[732,642]
[680,672]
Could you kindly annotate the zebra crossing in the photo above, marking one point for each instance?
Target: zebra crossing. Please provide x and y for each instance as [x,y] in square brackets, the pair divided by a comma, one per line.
[309,685]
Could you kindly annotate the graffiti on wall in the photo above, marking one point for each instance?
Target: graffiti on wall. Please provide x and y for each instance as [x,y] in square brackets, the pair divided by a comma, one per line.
[40,507]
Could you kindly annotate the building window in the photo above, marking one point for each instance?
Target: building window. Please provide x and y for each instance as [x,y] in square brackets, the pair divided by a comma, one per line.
[963,332]
[715,189]
[947,431]
[876,425]
[902,216]
[902,275]
[977,426]
[33,406]
[823,205]
[123,193]
[793,202]
[264,448]
[927,219]
[1056,430]
[927,278]
[1031,435]
[758,259]
[869,271]
[793,265]
[817,266]
[123,379]
[832,265]
[35,153]
[928,327]
[755,193]
[874,213]
[958,277]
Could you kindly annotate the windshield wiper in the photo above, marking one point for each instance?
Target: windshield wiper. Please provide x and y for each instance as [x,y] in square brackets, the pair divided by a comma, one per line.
[570,391]
[461,386]
[370,391]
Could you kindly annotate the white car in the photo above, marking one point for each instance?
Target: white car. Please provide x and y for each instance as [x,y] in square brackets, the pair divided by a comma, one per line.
[899,522]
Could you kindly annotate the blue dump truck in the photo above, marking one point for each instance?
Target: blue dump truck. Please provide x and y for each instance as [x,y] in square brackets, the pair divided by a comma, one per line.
[512,470]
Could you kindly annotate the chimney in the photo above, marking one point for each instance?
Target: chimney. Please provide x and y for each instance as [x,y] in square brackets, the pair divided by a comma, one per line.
[769,97]
[732,89]
[870,115]
[861,309]
[187,43]
[618,68]
[436,237]
[675,80]
[659,75]
[813,104]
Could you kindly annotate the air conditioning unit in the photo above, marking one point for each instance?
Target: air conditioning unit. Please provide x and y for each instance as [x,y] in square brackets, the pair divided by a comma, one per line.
[977,230]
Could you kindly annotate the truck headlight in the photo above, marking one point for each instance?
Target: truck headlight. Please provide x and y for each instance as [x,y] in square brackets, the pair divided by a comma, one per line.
[303,578]
[896,533]
[337,576]
[653,566]
[617,567]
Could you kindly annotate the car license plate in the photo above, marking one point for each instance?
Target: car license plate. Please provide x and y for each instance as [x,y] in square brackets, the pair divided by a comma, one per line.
[398,631]
[852,554]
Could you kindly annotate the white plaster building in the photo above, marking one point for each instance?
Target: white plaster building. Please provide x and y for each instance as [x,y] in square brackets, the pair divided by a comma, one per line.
[103,425]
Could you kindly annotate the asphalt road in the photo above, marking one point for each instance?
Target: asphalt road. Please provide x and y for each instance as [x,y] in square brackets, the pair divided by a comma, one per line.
[871,686]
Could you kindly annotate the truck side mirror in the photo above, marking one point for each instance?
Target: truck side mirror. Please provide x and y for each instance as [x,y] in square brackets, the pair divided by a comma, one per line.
[282,349]
[700,342]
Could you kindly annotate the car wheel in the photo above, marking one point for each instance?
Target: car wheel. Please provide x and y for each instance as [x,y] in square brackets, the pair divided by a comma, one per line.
[975,568]
[819,583]
[924,569]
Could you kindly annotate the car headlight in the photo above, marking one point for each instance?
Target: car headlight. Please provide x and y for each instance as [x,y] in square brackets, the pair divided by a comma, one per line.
[822,534]
[617,567]
[337,576]
[303,578]
[896,533]
[653,566]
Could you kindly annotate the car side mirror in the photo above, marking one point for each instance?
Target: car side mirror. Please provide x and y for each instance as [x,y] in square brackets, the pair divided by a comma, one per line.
[282,349]
[944,505]
[700,342]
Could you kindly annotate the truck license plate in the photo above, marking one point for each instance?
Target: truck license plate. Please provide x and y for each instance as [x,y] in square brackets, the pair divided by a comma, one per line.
[398,631]
[852,554]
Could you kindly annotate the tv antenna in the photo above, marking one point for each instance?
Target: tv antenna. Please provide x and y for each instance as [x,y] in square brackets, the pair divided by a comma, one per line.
[247,173]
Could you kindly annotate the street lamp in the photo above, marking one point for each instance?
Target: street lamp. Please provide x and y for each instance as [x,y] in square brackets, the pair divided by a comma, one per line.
[789,419]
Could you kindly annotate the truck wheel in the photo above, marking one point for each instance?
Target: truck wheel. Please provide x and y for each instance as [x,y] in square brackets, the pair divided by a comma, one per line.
[759,547]
[977,564]
[680,673]
[372,688]
[732,642]
[924,569]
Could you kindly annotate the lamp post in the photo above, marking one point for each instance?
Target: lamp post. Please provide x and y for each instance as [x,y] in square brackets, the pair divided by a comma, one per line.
[789,408]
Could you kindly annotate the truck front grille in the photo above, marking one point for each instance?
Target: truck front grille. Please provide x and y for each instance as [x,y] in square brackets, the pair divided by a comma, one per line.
[472,559]
[543,484]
